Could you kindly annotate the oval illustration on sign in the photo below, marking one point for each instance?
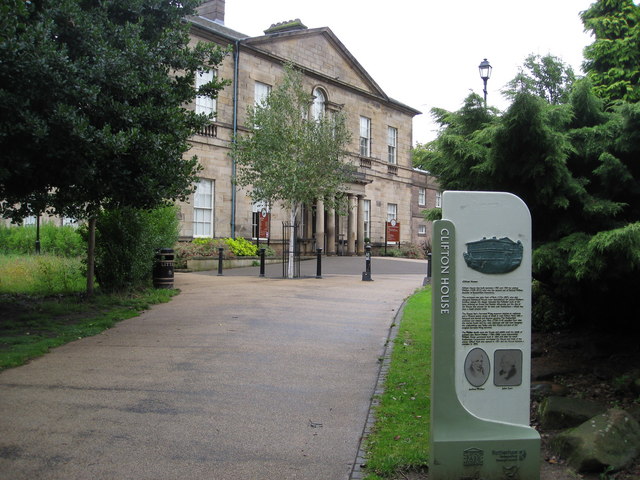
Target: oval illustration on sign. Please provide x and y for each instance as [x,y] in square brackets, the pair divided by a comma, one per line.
[477,367]
[494,255]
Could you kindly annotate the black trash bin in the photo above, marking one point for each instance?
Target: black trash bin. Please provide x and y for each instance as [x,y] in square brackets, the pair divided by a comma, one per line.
[163,268]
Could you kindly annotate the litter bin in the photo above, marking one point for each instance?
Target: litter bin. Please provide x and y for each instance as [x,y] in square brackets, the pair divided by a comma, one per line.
[163,268]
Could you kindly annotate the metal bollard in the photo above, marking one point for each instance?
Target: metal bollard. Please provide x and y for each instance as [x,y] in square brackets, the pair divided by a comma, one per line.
[366,275]
[427,279]
[319,263]
[220,250]
[262,250]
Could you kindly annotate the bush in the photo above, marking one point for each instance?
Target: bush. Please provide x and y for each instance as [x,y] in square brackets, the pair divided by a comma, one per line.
[405,250]
[63,241]
[411,250]
[41,274]
[126,242]
[242,247]
[547,313]
[199,247]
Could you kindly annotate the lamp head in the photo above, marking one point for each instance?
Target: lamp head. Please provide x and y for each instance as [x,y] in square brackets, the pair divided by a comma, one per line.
[485,69]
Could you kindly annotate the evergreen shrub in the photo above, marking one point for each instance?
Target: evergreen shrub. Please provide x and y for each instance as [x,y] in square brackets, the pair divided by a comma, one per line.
[126,243]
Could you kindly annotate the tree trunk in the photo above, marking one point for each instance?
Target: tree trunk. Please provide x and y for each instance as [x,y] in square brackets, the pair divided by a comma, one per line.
[292,242]
[91,255]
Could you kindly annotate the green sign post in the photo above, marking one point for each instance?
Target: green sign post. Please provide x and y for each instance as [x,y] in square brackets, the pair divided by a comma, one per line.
[481,279]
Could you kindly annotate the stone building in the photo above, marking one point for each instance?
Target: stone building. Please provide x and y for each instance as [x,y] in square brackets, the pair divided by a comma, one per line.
[386,186]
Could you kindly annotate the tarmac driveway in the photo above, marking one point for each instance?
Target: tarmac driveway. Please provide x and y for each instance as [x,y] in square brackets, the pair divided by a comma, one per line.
[238,377]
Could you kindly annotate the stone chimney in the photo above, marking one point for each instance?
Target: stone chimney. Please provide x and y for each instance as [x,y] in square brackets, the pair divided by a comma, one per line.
[288,26]
[213,10]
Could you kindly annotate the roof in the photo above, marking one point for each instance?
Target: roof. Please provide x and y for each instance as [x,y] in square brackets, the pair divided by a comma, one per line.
[266,44]
[215,27]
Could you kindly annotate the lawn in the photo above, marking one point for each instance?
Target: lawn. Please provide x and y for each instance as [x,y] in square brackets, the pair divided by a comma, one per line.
[42,306]
[400,438]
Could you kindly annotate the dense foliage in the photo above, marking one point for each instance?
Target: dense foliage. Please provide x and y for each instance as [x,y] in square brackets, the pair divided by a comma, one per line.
[63,241]
[576,166]
[612,61]
[92,103]
[126,241]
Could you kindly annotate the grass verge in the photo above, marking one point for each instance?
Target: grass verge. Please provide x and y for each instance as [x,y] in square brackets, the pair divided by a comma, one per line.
[41,274]
[400,438]
[30,325]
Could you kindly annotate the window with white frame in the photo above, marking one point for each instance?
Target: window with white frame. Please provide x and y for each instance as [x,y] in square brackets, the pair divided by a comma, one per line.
[203,209]
[438,199]
[367,219]
[261,92]
[392,143]
[204,104]
[69,222]
[422,229]
[365,137]
[392,211]
[422,196]
[30,220]
[319,102]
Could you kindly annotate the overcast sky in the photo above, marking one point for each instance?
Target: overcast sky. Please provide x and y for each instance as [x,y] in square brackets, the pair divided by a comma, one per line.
[425,53]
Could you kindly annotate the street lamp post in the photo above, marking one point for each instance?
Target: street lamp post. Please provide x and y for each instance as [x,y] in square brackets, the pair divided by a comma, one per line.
[485,74]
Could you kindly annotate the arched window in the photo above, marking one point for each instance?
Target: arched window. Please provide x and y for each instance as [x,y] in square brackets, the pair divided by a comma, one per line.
[319,101]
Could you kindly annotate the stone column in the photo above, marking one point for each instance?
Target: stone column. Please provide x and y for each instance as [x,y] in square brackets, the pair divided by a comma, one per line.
[307,234]
[352,227]
[320,224]
[331,231]
[360,228]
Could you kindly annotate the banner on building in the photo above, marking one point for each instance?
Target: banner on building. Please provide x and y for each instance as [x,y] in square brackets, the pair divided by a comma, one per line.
[393,231]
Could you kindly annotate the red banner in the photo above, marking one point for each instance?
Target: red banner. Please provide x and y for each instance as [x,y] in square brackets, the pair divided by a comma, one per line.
[393,232]
[263,227]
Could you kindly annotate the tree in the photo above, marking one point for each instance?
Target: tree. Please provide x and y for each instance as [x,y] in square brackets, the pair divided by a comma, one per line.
[92,104]
[575,165]
[612,61]
[289,156]
[545,76]
[461,147]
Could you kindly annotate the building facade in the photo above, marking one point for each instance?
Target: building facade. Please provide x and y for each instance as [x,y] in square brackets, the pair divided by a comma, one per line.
[386,187]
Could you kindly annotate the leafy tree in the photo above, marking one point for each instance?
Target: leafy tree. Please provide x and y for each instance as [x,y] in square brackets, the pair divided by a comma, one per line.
[290,157]
[92,98]
[545,76]
[612,61]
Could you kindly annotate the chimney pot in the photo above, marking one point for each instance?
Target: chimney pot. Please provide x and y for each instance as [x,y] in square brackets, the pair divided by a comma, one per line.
[212,10]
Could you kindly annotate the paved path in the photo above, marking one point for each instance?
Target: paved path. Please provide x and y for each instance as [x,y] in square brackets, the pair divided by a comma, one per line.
[238,377]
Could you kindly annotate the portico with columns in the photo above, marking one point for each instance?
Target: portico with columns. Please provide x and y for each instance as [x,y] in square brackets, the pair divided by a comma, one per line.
[341,234]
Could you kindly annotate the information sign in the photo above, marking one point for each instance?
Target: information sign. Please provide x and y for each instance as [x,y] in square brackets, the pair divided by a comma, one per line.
[482,339]
[393,231]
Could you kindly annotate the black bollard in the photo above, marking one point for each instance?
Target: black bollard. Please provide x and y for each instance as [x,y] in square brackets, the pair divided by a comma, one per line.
[262,250]
[427,279]
[220,250]
[319,263]
[366,275]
